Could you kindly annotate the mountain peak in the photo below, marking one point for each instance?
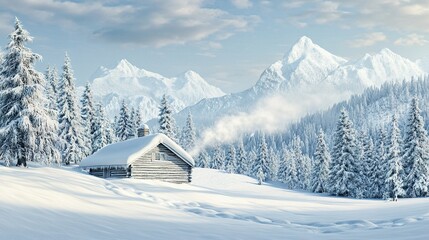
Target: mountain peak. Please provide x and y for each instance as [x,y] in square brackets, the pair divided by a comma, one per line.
[305,47]
[126,67]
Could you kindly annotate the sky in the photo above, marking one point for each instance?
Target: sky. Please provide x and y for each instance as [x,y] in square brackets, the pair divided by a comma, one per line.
[229,42]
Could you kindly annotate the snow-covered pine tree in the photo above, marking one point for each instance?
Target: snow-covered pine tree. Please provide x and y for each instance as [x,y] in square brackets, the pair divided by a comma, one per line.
[50,91]
[378,169]
[394,182]
[242,160]
[273,163]
[290,172]
[261,161]
[367,164]
[203,160]
[416,155]
[28,130]
[217,159]
[344,179]
[251,158]
[100,136]
[260,175]
[322,159]
[133,118]
[70,128]
[188,134]
[167,124]
[124,127]
[230,161]
[87,113]
[303,171]
[138,118]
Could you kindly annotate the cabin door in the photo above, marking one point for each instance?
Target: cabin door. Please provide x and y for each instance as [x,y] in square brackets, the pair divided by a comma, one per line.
[106,172]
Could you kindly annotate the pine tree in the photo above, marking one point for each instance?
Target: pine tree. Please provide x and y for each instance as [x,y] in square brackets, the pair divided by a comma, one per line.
[124,128]
[344,179]
[70,128]
[290,175]
[50,92]
[217,160]
[242,160]
[260,175]
[138,118]
[167,124]
[134,126]
[273,163]
[302,163]
[322,159]
[367,165]
[100,136]
[189,135]
[230,161]
[28,130]
[416,156]
[262,160]
[378,169]
[203,160]
[87,113]
[394,183]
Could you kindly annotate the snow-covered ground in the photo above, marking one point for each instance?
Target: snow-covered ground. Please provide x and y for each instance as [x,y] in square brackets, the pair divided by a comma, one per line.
[42,203]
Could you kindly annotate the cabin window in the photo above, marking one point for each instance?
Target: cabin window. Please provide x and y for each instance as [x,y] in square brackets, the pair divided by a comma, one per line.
[159,156]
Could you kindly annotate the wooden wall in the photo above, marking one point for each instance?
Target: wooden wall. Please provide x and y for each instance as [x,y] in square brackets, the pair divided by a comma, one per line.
[107,172]
[173,169]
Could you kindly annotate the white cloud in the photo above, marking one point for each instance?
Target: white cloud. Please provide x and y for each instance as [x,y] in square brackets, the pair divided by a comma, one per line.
[368,39]
[398,15]
[133,22]
[242,3]
[412,40]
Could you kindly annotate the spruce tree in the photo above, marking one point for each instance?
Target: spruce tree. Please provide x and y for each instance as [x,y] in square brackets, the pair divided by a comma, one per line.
[135,126]
[378,169]
[100,136]
[70,128]
[344,179]
[242,160]
[217,159]
[322,159]
[203,160]
[167,124]
[262,160]
[416,155]
[87,113]
[394,182]
[28,130]
[50,83]
[367,165]
[125,126]
[188,133]
[290,175]
[230,161]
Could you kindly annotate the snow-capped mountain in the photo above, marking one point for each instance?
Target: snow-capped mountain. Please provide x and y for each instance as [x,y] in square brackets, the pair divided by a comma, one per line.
[309,70]
[144,89]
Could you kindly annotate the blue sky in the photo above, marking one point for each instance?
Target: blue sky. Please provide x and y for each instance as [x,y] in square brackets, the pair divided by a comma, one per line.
[228,42]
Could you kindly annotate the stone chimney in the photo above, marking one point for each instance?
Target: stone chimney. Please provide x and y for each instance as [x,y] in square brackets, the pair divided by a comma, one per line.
[143,130]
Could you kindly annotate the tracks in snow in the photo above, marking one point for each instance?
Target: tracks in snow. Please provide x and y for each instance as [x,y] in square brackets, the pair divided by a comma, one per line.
[208,210]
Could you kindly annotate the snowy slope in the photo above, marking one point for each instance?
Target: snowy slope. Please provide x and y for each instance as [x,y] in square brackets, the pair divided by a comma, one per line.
[308,71]
[144,89]
[42,203]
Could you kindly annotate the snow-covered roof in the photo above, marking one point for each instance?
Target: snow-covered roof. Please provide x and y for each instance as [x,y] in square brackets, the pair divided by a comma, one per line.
[126,152]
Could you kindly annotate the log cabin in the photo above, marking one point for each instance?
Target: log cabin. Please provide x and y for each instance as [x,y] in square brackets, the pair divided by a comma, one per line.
[150,156]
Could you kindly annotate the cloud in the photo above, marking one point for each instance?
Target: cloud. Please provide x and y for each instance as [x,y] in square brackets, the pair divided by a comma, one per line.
[412,40]
[242,3]
[368,39]
[133,22]
[400,15]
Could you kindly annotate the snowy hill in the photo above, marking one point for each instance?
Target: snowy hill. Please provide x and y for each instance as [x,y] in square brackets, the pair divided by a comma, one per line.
[309,74]
[144,89]
[67,204]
